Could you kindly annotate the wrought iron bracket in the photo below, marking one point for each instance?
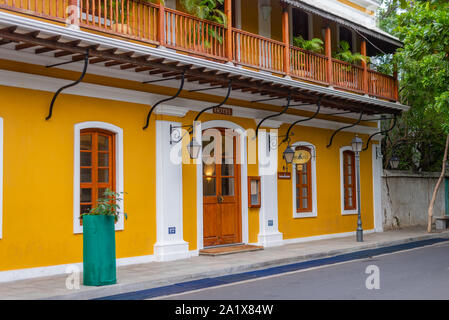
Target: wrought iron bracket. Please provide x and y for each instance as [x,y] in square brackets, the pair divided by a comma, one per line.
[165,100]
[177,138]
[274,115]
[86,63]
[287,136]
[214,106]
[381,132]
[346,127]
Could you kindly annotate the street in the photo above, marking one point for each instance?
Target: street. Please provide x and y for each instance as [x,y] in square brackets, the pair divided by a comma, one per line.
[421,273]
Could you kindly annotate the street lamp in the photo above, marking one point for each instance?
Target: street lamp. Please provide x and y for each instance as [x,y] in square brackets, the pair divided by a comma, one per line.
[357,145]
[394,162]
[194,149]
[289,154]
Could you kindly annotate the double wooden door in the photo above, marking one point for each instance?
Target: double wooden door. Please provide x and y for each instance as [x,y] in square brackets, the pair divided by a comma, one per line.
[221,190]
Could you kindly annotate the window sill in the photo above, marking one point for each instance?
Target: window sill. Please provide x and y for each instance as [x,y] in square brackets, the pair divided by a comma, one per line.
[298,215]
[349,212]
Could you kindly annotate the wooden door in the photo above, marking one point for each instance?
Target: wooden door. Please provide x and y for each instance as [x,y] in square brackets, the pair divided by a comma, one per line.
[221,193]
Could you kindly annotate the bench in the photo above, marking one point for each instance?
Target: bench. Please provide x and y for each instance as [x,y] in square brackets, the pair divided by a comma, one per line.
[442,223]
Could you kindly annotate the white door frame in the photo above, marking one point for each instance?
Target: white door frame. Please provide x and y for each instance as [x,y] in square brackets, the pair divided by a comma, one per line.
[243,180]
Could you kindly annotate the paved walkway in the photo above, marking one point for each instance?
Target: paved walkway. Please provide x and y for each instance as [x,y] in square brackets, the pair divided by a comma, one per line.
[157,274]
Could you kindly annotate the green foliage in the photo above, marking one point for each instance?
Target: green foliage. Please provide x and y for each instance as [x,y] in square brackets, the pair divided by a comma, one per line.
[206,9]
[210,10]
[345,54]
[423,66]
[314,45]
[108,205]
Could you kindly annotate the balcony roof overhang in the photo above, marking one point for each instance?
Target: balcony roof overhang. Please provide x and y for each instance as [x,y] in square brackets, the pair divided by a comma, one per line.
[328,13]
[111,51]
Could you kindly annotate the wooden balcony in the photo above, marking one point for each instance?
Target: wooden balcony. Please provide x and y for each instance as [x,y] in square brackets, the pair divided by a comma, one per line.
[156,25]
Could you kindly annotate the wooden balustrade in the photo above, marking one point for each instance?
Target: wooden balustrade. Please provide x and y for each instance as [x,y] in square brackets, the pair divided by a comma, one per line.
[131,18]
[185,32]
[152,23]
[55,10]
[256,51]
[347,76]
[308,65]
[381,85]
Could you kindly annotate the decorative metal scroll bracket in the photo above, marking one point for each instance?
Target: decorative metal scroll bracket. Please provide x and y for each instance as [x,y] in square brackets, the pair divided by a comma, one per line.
[165,100]
[175,134]
[346,127]
[86,63]
[215,106]
[287,136]
[380,132]
[274,115]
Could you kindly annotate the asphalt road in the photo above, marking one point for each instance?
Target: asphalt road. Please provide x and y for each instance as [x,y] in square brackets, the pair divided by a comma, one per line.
[421,273]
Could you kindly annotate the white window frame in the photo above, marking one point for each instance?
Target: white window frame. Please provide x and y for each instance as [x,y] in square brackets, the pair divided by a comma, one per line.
[342,185]
[314,212]
[1,177]
[77,228]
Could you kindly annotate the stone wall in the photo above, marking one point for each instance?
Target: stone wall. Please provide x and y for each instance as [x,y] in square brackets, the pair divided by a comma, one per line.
[406,197]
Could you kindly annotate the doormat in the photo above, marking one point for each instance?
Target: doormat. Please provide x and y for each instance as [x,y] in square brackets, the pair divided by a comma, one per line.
[219,251]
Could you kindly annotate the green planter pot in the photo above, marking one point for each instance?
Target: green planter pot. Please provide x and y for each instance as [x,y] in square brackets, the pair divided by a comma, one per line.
[99,267]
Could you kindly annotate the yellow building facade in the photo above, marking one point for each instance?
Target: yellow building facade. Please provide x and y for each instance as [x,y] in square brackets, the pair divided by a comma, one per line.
[170,200]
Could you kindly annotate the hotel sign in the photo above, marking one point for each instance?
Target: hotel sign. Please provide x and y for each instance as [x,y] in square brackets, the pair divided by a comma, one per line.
[223,111]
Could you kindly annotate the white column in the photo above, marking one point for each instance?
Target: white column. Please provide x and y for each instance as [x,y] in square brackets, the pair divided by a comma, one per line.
[269,235]
[170,244]
[377,187]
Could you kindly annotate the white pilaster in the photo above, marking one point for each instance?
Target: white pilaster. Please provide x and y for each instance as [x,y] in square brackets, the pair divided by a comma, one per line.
[170,244]
[269,235]
[377,187]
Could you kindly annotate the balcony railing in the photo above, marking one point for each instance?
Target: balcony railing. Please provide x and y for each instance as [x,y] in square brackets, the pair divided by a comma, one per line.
[157,25]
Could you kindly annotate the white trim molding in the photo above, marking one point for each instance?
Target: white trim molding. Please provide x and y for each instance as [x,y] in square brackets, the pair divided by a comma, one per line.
[119,177]
[1,177]
[342,188]
[325,236]
[314,212]
[243,179]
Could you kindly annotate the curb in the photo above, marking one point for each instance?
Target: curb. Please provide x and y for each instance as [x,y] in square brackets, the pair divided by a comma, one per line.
[117,289]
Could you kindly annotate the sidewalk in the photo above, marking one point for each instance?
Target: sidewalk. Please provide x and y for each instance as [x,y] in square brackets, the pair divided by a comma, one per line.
[157,274]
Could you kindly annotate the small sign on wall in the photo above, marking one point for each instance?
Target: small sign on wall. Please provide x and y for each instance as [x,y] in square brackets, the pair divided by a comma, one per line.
[284,175]
[223,111]
[171,230]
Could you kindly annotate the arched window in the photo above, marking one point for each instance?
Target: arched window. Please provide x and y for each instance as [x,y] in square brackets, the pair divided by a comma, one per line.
[349,184]
[304,184]
[97,166]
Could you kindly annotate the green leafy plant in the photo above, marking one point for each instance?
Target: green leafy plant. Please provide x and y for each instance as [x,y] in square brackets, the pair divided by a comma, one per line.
[344,54]
[314,45]
[108,205]
[210,10]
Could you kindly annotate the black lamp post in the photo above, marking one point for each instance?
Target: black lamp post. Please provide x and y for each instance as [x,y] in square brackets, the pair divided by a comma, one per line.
[357,145]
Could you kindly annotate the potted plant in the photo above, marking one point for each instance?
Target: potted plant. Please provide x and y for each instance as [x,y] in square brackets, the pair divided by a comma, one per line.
[99,267]
[210,10]
[344,54]
[314,45]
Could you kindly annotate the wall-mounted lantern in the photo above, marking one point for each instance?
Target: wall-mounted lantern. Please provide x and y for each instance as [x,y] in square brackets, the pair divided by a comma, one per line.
[394,162]
[289,154]
[194,149]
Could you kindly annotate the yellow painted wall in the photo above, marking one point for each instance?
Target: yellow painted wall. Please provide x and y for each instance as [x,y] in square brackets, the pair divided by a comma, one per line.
[250,16]
[38,177]
[276,20]
[38,180]
[329,219]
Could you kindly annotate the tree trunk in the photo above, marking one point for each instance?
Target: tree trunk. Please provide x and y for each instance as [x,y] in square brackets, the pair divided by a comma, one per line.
[435,191]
